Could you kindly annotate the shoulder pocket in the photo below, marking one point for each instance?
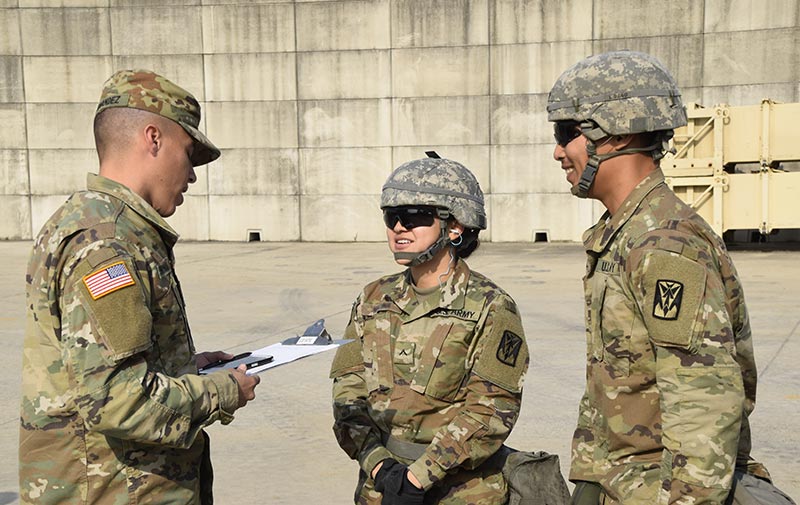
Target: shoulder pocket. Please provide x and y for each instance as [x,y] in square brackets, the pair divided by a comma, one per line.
[113,298]
[504,357]
[348,359]
[674,289]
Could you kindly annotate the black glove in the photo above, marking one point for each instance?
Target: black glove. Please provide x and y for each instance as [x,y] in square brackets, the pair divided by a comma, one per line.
[409,494]
[380,477]
[392,481]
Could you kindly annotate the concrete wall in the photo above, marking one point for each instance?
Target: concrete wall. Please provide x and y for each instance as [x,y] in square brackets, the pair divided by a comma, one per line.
[314,102]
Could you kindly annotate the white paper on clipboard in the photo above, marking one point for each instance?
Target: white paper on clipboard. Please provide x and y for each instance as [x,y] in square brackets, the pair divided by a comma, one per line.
[282,353]
[313,341]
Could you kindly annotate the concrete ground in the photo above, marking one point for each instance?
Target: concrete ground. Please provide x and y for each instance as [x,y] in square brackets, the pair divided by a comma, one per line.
[280,449]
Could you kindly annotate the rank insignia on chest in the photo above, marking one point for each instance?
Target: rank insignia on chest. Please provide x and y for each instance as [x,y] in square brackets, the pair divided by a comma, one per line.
[108,279]
[404,353]
[667,300]
[509,347]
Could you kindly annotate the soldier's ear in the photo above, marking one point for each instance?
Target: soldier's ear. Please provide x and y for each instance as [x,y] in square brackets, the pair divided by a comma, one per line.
[620,142]
[153,139]
[456,229]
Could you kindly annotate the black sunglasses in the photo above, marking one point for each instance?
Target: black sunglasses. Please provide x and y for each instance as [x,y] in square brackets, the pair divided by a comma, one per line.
[566,131]
[409,217]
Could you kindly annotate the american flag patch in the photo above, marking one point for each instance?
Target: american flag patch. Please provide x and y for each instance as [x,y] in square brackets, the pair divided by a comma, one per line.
[108,279]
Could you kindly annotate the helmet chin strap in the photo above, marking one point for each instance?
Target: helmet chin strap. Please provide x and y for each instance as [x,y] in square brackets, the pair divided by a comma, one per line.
[429,253]
[581,190]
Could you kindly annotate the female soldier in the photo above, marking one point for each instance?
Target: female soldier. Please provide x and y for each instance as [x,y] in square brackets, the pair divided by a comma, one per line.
[431,385]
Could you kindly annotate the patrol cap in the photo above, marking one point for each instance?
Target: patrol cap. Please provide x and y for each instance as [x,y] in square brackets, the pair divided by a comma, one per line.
[148,91]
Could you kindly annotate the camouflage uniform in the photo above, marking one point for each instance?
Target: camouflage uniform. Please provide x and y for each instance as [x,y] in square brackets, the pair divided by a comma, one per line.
[670,376]
[440,372]
[112,407]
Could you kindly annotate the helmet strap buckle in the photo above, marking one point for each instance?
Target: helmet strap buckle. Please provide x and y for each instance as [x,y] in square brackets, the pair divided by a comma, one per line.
[581,190]
[429,253]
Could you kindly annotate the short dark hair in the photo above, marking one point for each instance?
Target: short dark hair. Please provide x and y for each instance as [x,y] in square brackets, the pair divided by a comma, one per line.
[115,128]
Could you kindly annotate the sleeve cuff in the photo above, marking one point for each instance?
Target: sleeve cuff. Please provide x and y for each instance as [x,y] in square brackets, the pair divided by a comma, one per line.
[427,472]
[227,394]
[373,457]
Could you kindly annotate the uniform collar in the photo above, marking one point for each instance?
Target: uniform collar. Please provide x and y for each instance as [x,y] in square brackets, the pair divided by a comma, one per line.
[596,238]
[452,295]
[104,185]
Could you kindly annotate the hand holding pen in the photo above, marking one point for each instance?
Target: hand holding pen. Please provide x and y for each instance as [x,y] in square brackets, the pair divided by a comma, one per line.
[223,358]
[246,383]
[208,360]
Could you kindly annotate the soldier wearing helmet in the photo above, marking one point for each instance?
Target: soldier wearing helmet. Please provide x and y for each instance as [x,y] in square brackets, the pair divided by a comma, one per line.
[431,385]
[671,378]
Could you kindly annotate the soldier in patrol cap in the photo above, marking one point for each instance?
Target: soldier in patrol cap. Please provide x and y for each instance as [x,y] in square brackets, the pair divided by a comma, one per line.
[671,378]
[113,408]
[429,389]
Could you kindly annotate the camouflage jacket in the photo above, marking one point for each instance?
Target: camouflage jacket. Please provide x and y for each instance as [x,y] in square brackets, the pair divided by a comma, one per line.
[670,372]
[444,371]
[112,406]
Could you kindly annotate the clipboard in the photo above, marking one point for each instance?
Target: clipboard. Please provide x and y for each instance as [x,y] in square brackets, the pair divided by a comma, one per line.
[250,359]
[314,340]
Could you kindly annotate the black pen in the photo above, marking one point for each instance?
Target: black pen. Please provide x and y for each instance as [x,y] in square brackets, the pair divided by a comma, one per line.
[259,362]
[223,361]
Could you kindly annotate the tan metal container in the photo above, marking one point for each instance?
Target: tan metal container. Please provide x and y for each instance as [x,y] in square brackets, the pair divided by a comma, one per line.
[730,165]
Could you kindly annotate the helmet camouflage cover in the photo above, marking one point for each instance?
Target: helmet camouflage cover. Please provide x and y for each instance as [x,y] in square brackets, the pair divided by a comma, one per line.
[437,182]
[623,92]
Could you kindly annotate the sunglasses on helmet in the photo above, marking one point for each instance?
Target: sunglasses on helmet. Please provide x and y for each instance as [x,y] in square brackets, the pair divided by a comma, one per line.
[409,217]
[566,131]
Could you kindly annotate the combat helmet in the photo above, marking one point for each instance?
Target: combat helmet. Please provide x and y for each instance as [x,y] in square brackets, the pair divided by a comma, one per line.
[617,93]
[441,183]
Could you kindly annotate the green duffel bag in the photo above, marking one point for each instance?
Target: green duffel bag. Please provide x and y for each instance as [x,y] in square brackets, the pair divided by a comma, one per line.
[534,478]
[751,490]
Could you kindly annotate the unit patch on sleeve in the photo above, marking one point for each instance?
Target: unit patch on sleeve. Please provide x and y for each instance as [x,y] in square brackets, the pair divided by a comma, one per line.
[670,290]
[108,279]
[667,299]
[508,350]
